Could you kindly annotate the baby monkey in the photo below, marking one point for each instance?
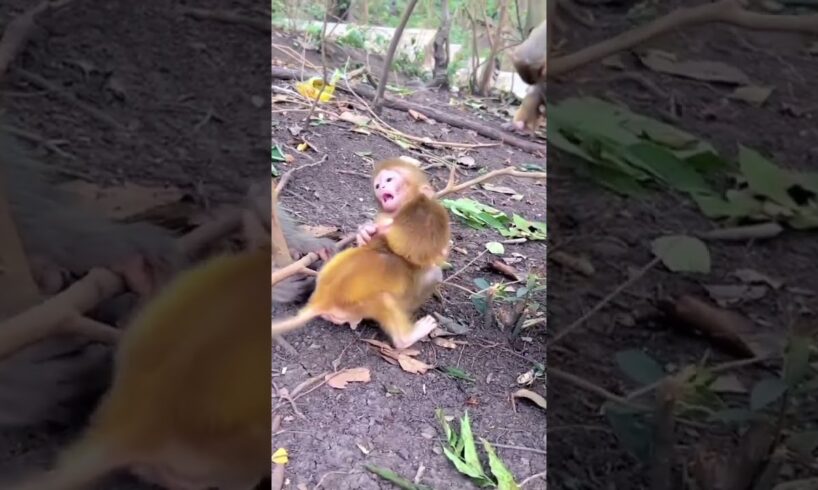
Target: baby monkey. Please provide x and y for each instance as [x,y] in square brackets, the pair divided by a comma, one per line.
[189,407]
[396,266]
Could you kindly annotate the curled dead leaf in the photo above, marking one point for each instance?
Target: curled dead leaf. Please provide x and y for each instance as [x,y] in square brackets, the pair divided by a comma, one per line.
[412,365]
[340,379]
[538,399]
[444,342]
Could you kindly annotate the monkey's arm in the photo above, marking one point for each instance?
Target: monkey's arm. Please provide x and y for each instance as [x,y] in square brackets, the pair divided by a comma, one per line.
[420,232]
[297,287]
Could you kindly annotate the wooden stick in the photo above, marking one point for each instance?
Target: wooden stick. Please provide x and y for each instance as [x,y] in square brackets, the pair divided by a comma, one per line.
[452,188]
[17,32]
[390,54]
[727,11]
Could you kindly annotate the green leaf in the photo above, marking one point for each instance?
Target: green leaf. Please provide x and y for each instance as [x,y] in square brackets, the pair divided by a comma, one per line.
[765,392]
[667,167]
[521,292]
[475,473]
[470,449]
[796,360]
[496,248]
[457,373]
[630,428]
[277,154]
[681,253]
[616,180]
[505,480]
[765,178]
[481,284]
[274,170]
[393,477]
[639,366]
[451,437]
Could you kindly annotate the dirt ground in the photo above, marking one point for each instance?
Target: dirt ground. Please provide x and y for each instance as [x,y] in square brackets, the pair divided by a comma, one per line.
[191,93]
[615,234]
[390,421]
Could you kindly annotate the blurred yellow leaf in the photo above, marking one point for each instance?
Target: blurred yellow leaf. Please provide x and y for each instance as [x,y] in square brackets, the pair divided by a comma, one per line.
[280,456]
[312,87]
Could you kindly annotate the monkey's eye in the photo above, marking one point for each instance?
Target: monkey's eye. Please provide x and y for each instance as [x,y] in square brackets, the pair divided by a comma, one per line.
[377,186]
[389,179]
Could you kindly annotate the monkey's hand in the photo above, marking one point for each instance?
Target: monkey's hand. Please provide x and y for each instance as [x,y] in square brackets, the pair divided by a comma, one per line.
[366,232]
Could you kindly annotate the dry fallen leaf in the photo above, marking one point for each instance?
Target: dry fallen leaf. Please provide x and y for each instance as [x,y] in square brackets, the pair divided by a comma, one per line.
[466,161]
[357,119]
[752,94]
[445,343]
[530,395]
[708,71]
[728,383]
[417,116]
[362,448]
[728,294]
[124,201]
[412,365]
[340,379]
[751,276]
[526,378]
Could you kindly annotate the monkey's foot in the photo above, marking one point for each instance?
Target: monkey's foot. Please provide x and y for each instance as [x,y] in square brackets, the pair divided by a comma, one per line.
[422,328]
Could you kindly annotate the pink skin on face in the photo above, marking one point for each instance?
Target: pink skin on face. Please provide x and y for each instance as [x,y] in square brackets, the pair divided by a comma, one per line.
[390,188]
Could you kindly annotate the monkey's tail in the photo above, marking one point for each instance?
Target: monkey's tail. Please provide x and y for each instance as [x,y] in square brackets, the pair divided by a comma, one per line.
[299,320]
[82,465]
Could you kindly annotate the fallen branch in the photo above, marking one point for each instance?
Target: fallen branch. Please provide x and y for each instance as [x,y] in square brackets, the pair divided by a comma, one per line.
[227,17]
[437,115]
[512,171]
[17,32]
[727,11]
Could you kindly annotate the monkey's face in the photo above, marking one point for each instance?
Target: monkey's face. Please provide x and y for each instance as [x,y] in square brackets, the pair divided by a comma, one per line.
[391,189]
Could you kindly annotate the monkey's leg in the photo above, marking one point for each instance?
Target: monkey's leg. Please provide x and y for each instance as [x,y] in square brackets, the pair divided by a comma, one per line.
[396,323]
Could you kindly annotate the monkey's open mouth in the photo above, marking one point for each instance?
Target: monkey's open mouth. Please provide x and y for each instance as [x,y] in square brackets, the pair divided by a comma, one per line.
[387,198]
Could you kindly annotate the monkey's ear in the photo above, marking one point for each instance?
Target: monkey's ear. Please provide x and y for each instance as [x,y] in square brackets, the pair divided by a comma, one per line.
[427,190]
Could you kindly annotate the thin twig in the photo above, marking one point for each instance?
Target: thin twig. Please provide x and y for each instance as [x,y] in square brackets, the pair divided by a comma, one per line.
[519,448]
[607,299]
[288,174]
[532,478]
[472,261]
